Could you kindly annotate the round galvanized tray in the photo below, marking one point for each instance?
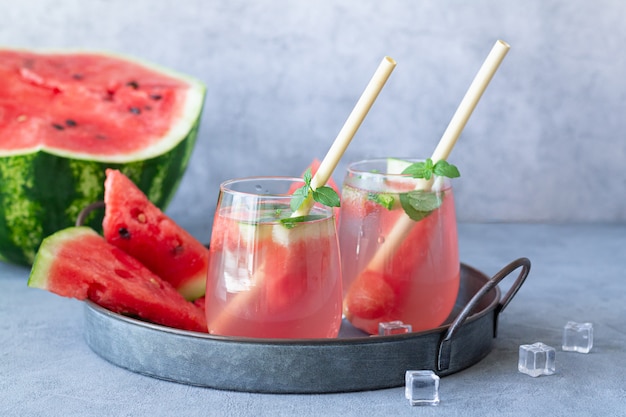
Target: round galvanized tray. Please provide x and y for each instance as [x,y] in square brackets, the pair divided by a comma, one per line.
[352,362]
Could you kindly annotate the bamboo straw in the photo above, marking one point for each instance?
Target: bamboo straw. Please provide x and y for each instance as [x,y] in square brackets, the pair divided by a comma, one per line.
[327,166]
[347,132]
[486,72]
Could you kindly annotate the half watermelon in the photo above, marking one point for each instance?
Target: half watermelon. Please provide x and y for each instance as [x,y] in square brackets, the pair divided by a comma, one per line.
[78,263]
[67,116]
[135,225]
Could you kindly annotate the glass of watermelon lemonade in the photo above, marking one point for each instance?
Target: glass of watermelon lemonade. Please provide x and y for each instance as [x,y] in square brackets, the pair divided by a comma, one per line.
[272,275]
[417,280]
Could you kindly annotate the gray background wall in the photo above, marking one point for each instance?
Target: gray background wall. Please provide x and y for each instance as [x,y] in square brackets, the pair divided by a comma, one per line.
[546,142]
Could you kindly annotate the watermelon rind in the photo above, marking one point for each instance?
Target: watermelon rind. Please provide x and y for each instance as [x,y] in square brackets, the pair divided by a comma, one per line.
[42,190]
[395,166]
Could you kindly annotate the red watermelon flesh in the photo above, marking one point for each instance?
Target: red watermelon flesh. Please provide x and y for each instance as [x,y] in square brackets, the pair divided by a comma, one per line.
[66,100]
[78,263]
[136,226]
[200,303]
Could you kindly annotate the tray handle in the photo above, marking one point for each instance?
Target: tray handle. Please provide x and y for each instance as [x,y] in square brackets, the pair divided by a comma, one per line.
[445,346]
[80,220]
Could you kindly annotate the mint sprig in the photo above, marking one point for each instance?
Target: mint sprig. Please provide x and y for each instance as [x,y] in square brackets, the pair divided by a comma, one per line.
[418,204]
[426,169]
[324,195]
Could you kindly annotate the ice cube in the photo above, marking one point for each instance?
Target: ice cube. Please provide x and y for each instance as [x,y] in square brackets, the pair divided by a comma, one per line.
[421,387]
[536,359]
[577,337]
[393,327]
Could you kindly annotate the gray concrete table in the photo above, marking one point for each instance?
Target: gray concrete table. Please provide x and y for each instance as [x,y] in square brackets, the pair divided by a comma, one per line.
[578,273]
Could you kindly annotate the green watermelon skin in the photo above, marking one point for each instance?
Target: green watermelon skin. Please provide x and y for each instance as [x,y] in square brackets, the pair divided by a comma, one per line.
[35,203]
[43,190]
[78,263]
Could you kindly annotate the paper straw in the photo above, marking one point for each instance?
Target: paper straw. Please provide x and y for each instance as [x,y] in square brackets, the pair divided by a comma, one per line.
[347,132]
[486,72]
[470,100]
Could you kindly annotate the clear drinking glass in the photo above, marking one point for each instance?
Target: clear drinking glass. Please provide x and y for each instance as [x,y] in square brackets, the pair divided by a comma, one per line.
[270,276]
[396,268]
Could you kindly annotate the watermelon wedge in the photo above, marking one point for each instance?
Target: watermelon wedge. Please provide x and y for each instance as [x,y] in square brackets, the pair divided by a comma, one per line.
[78,263]
[67,116]
[136,226]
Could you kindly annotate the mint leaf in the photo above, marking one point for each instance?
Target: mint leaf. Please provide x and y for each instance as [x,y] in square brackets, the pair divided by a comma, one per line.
[419,204]
[426,169]
[444,169]
[327,196]
[418,170]
[291,222]
[299,196]
[307,177]
[385,200]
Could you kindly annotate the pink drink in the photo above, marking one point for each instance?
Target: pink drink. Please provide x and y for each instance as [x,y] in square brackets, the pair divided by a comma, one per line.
[419,281]
[270,281]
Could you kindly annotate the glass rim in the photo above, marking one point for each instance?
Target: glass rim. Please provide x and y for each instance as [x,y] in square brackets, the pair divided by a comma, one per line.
[361,170]
[226,186]
[353,166]
[256,195]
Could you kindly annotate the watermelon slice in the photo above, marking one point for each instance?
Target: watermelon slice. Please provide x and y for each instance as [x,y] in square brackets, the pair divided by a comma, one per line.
[67,116]
[135,225]
[78,263]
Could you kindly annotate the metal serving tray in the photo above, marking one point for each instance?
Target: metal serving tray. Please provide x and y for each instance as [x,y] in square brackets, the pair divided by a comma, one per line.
[352,362]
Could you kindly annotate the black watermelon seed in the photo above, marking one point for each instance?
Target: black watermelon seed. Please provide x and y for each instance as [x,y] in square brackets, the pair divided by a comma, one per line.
[156,96]
[135,110]
[122,273]
[133,84]
[124,233]
[77,76]
[57,126]
[100,136]
[70,122]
